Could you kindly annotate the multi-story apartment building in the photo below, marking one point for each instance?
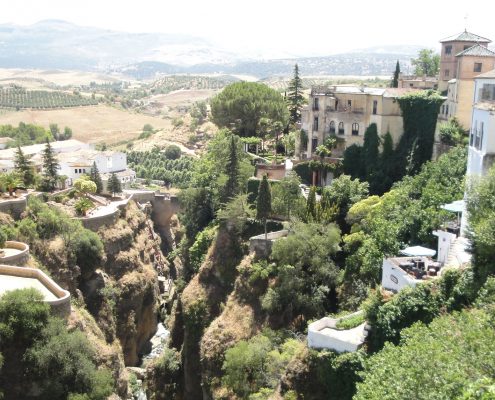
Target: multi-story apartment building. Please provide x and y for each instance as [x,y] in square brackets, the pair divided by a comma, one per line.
[346,112]
[463,57]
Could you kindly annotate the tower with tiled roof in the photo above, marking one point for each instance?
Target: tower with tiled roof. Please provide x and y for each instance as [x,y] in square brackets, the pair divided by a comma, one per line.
[452,47]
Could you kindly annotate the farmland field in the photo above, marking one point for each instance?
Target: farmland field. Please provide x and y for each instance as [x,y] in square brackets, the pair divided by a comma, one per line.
[41,99]
[90,124]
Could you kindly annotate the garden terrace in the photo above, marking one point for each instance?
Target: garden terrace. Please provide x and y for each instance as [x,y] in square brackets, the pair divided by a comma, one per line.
[398,272]
[12,278]
[14,253]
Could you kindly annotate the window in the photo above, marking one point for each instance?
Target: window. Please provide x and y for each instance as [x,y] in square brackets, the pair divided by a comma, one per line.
[477,67]
[447,109]
[448,49]
[467,46]
[336,104]
[316,105]
[375,106]
[341,128]
[443,109]
[355,129]
[75,171]
[411,84]
[349,104]
[332,127]
[315,124]
[314,144]
[446,73]
[488,92]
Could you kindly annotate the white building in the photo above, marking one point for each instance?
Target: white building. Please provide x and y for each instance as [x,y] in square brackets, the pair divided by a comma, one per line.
[481,155]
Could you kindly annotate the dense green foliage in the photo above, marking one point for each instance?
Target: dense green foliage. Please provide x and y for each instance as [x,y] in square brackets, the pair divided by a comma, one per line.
[452,133]
[257,363]
[405,215]
[419,113]
[438,361]
[241,106]
[25,134]
[21,98]
[232,171]
[35,344]
[316,375]
[156,165]
[305,272]
[481,208]
[427,63]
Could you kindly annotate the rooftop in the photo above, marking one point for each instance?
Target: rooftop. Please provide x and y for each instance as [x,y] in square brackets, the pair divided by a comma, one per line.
[477,51]
[487,75]
[466,37]
[385,92]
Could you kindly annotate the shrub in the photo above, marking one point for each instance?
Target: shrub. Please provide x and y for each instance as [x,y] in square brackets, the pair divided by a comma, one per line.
[83,205]
[88,250]
[172,152]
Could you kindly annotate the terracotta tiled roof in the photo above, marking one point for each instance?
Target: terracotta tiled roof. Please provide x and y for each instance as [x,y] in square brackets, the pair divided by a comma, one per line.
[466,37]
[478,51]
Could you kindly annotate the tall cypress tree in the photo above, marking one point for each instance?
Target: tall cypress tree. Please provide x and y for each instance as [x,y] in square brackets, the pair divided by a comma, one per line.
[370,152]
[232,171]
[264,202]
[50,168]
[311,205]
[94,175]
[395,79]
[295,97]
[24,167]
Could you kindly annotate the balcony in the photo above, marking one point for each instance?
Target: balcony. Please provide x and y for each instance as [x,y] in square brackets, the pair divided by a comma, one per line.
[344,109]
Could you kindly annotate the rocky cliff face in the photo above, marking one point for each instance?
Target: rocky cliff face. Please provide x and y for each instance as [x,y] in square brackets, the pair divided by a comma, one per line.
[201,302]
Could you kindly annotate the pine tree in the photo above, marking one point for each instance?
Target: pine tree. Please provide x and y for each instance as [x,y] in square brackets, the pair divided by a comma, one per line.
[388,166]
[24,167]
[94,175]
[264,202]
[295,97]
[232,171]
[114,185]
[311,205]
[395,79]
[50,167]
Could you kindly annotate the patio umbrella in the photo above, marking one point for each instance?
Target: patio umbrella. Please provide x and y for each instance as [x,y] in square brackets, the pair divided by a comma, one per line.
[418,251]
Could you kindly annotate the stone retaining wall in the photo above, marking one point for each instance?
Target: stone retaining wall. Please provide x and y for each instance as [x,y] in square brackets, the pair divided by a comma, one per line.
[261,247]
[19,259]
[60,306]
[14,207]
[96,222]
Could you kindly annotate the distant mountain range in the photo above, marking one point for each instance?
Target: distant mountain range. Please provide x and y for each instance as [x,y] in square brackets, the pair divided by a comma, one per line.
[55,44]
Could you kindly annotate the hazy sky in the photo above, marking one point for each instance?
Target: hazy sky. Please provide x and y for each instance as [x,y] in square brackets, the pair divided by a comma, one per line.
[273,27]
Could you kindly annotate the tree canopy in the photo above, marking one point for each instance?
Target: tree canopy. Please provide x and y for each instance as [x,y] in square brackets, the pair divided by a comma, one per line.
[427,63]
[242,105]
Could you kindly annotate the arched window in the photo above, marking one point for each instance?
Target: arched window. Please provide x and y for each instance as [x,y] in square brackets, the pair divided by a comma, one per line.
[332,127]
[341,128]
[355,129]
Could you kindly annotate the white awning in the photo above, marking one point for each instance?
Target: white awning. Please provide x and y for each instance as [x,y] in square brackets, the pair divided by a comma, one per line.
[456,206]
[418,251]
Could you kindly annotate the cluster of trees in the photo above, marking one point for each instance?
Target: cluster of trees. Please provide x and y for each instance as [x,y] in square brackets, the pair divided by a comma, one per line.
[27,134]
[168,165]
[41,358]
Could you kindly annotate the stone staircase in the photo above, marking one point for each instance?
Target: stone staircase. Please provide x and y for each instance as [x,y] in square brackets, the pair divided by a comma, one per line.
[458,255]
